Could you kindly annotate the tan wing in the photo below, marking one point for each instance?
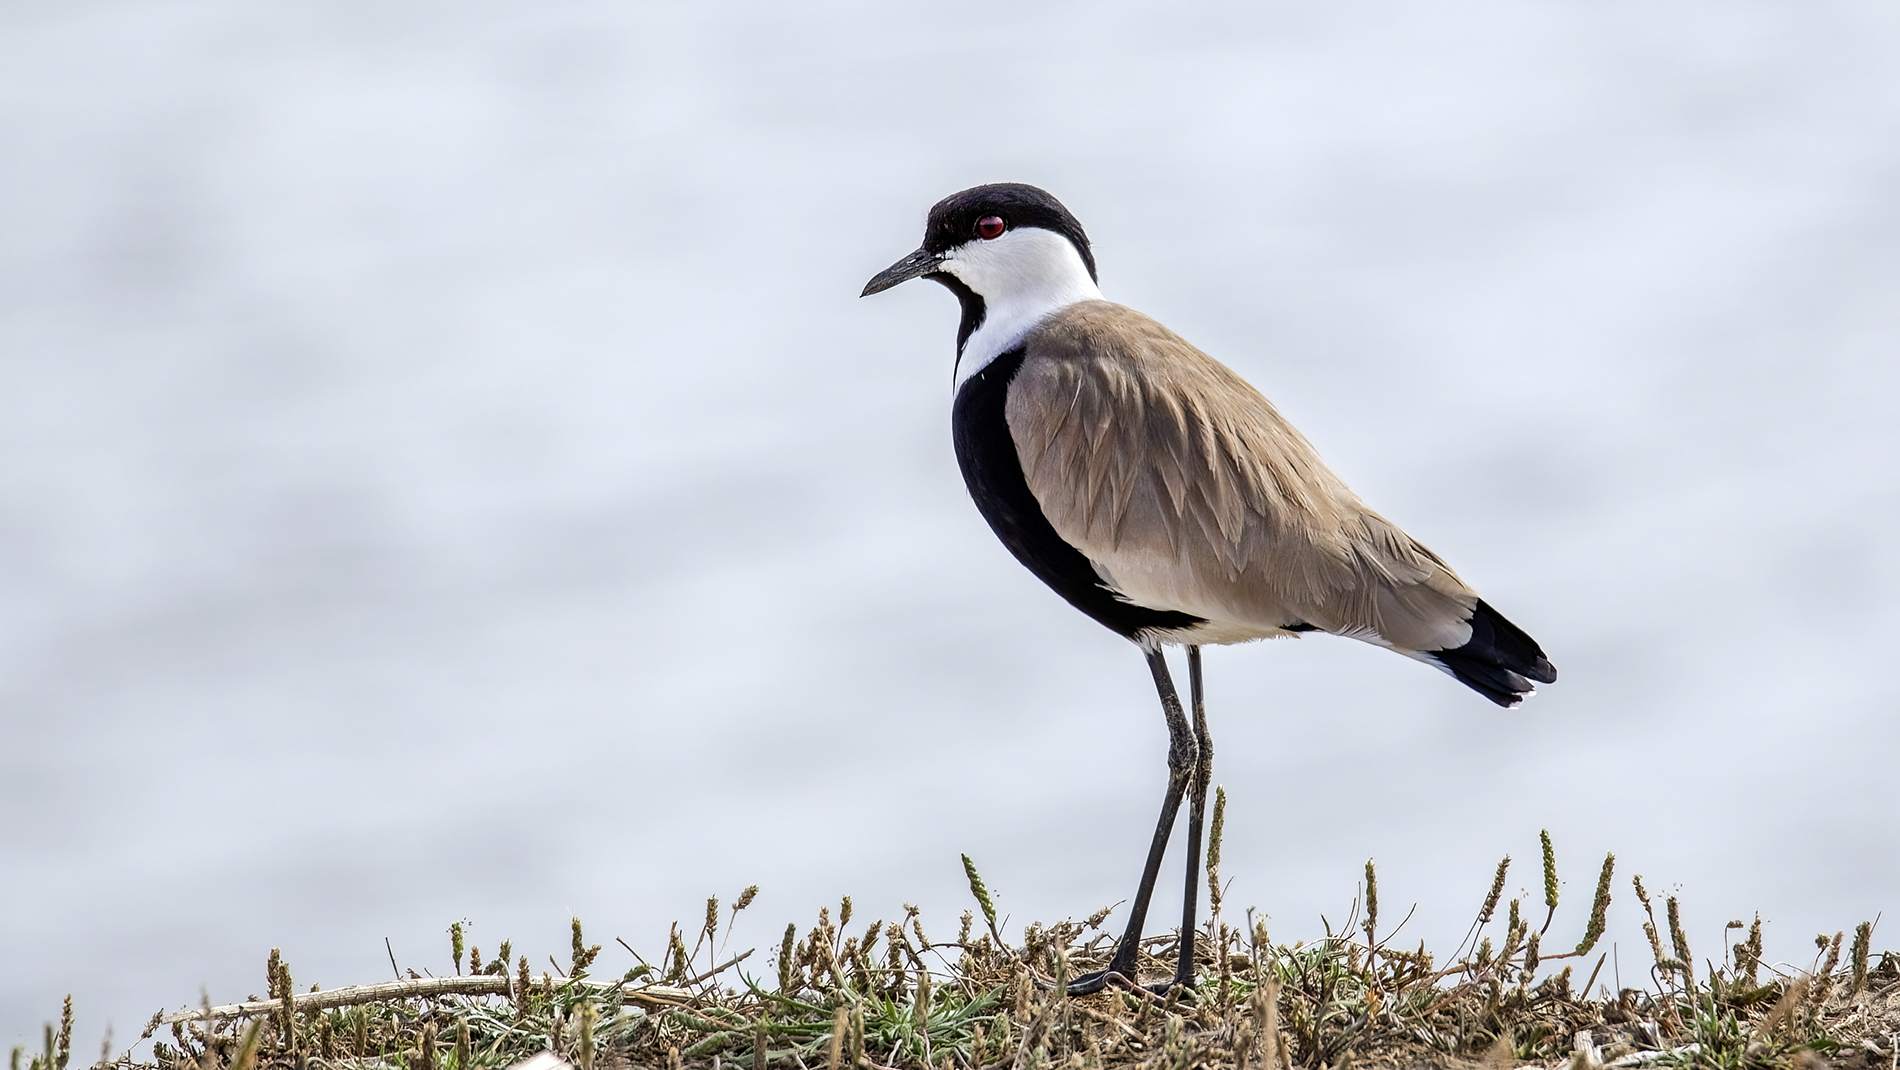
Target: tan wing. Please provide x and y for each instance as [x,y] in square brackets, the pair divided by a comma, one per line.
[1189,491]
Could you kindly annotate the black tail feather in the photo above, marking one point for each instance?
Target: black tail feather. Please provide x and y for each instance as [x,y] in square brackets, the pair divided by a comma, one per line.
[1499,661]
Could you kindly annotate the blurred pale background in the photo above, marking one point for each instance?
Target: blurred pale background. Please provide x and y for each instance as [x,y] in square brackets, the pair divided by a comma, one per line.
[446,471]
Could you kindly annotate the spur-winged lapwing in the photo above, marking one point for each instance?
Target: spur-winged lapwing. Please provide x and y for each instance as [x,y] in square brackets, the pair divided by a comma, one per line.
[1162,495]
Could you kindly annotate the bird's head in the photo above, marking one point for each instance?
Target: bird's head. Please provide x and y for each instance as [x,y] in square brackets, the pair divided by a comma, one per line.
[1002,247]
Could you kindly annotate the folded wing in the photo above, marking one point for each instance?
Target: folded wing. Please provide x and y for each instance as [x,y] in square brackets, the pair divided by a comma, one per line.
[1190,492]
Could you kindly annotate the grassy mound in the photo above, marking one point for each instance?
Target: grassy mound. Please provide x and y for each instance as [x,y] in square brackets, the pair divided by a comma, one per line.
[888,995]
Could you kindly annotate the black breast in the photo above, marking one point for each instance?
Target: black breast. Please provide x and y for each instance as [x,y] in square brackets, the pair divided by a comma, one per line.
[994,474]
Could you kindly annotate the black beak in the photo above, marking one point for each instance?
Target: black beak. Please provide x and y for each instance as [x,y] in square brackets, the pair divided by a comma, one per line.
[915,265]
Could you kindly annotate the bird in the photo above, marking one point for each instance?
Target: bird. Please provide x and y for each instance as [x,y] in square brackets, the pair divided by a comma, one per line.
[1162,495]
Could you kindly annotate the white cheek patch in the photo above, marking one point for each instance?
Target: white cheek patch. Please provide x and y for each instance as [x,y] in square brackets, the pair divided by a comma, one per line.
[1022,277]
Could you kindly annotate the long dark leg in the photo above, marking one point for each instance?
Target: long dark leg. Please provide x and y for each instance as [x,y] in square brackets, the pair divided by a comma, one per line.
[1181,761]
[1197,814]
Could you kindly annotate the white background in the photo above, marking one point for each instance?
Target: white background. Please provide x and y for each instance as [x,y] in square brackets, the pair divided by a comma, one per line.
[446,471]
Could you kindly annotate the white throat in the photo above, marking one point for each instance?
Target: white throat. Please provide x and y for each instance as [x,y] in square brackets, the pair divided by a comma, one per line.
[1023,277]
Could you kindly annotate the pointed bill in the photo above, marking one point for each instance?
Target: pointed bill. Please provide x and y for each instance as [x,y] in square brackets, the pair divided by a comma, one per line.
[916,265]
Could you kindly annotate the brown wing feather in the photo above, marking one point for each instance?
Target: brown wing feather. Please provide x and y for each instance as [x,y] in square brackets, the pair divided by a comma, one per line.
[1189,491]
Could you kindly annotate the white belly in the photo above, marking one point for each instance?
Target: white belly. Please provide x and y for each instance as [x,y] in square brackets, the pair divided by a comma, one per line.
[1162,585]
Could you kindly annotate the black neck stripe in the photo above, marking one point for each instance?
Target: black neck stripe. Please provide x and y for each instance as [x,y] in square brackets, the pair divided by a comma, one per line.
[971,302]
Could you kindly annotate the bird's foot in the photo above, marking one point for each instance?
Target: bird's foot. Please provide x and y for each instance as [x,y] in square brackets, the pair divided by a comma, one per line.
[1095,982]
[1180,991]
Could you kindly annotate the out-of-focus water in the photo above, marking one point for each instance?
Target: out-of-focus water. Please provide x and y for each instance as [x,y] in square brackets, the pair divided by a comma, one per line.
[446,471]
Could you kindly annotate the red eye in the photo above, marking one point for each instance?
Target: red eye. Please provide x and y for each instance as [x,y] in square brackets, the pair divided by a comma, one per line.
[990,226]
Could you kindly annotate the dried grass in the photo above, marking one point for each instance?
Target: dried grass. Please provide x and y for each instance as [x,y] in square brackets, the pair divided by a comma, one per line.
[890,997]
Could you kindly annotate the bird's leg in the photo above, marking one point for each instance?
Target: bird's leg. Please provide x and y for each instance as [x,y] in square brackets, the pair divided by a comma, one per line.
[1181,761]
[1197,813]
